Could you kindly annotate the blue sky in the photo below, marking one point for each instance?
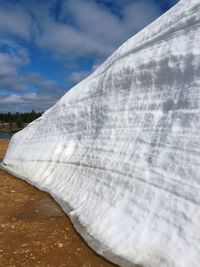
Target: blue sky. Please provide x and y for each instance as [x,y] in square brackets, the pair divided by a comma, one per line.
[46,47]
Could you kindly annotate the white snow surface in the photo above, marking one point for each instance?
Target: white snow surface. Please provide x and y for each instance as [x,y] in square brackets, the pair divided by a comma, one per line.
[120,151]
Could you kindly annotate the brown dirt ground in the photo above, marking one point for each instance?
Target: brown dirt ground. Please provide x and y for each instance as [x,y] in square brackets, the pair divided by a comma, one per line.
[34,232]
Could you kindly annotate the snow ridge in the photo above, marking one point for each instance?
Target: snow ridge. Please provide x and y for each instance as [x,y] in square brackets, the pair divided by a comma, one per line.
[120,151]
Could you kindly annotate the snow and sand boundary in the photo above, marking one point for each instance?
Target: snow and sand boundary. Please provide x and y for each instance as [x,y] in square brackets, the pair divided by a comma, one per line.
[120,151]
[94,244]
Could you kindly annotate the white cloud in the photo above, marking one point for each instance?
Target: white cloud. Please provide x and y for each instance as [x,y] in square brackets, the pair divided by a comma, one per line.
[27,101]
[12,99]
[95,21]
[68,41]
[12,56]
[21,99]
[84,28]
[18,85]
[76,77]
[15,20]
[6,66]
[96,31]
[140,13]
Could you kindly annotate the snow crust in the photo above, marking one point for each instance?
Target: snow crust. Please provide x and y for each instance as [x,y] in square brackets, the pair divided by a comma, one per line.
[120,151]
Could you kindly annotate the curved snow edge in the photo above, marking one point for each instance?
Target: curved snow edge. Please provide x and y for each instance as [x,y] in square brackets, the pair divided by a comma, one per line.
[97,246]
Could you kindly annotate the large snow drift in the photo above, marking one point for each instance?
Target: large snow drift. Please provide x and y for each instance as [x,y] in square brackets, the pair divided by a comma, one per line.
[120,151]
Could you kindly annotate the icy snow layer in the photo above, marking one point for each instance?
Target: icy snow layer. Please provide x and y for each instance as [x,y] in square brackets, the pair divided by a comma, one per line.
[120,151]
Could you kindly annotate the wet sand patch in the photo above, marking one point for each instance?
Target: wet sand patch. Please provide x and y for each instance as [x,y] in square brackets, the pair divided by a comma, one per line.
[34,231]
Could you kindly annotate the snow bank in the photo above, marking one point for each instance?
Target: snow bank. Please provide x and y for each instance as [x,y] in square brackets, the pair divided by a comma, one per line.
[120,151]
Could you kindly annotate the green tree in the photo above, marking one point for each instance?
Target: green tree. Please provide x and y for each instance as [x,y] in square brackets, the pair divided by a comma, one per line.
[10,126]
[19,122]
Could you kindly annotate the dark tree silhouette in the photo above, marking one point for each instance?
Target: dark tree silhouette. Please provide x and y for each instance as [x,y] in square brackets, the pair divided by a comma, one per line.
[20,119]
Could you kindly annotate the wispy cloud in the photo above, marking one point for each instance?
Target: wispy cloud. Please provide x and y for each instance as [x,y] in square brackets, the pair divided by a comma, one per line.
[76,76]
[18,86]
[12,56]
[94,30]
[23,102]
[15,20]
[70,31]
[138,14]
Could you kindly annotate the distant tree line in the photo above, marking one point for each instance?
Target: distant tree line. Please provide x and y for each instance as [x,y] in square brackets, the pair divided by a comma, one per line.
[18,118]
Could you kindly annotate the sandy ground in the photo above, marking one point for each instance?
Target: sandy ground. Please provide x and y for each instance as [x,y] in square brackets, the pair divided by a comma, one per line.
[35,232]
